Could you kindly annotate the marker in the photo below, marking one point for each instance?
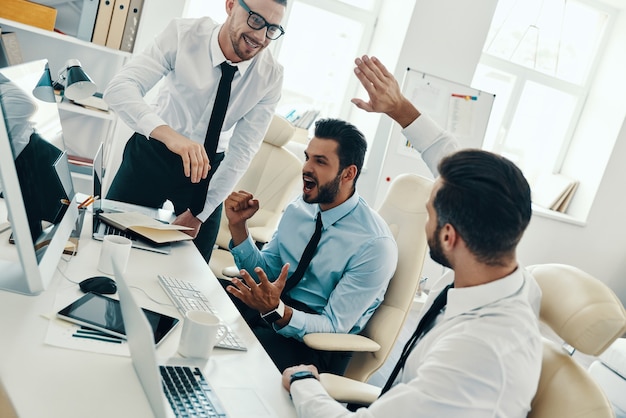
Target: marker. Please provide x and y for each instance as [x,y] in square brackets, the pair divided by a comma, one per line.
[465,96]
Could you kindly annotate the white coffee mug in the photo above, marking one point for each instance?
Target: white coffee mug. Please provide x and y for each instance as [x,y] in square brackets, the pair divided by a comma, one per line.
[201,331]
[115,248]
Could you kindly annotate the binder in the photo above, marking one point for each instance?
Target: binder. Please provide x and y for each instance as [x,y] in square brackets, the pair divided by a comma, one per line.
[87,19]
[118,21]
[132,25]
[103,20]
[10,48]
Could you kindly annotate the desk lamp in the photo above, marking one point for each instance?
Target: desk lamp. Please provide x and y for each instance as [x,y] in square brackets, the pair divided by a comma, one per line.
[74,82]
[44,90]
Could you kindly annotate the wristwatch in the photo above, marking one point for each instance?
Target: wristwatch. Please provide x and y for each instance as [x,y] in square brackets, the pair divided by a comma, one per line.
[302,374]
[275,315]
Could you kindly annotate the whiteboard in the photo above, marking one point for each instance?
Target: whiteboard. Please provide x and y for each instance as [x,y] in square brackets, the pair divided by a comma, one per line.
[459,109]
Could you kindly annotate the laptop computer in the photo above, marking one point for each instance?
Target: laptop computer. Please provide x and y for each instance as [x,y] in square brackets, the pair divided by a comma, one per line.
[166,398]
[100,228]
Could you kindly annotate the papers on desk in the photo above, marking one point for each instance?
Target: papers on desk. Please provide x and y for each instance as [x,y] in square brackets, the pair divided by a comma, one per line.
[149,228]
[62,334]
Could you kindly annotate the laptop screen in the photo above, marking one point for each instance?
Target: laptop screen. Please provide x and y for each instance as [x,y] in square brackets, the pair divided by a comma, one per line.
[98,174]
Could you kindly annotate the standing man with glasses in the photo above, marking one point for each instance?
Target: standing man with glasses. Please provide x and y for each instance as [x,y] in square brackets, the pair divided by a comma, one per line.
[200,119]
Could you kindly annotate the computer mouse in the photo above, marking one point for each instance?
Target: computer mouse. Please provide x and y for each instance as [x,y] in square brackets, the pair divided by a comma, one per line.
[98,284]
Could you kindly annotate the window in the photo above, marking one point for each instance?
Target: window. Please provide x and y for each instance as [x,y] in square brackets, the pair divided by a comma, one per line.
[539,59]
[324,38]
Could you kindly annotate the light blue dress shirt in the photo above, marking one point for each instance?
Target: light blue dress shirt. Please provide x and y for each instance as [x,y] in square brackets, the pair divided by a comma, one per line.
[185,59]
[349,273]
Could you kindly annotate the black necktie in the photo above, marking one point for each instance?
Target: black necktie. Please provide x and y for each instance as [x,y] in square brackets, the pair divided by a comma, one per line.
[219,110]
[307,255]
[423,327]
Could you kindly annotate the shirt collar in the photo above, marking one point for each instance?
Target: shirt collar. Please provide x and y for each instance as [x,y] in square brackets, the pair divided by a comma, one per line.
[330,216]
[217,56]
[465,299]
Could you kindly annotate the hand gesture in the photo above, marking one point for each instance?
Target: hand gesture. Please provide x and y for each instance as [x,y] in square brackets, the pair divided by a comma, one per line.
[240,206]
[263,296]
[384,92]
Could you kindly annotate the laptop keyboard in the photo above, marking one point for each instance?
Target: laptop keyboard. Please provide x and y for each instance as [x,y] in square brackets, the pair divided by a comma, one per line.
[188,392]
[111,230]
[187,297]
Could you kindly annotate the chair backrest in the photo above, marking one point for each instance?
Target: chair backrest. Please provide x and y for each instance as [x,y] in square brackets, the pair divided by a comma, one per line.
[586,314]
[6,406]
[404,210]
[272,177]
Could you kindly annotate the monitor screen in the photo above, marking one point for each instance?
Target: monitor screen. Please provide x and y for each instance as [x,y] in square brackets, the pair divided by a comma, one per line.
[35,180]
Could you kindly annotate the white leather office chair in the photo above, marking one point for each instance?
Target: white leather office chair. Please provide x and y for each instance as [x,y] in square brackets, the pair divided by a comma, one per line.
[609,370]
[272,177]
[404,210]
[6,406]
[586,314]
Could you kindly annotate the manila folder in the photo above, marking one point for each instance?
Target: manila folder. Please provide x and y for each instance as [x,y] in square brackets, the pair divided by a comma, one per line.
[146,227]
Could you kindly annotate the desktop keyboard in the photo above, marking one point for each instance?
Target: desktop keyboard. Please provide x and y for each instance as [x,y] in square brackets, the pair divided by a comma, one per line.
[186,297]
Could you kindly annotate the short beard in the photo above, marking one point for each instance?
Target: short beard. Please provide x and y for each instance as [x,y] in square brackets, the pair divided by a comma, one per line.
[436,250]
[327,193]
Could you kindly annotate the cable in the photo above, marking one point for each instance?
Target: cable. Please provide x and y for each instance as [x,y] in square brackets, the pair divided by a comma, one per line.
[150,297]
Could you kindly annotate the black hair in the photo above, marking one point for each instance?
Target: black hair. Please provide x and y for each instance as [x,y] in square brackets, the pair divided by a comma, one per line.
[486,198]
[351,143]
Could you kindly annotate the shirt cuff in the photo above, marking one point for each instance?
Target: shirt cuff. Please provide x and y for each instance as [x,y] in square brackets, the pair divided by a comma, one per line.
[422,132]
[295,327]
[149,123]
[306,389]
[243,250]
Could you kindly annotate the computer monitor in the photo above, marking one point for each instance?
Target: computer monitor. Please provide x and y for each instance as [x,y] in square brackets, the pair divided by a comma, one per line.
[35,182]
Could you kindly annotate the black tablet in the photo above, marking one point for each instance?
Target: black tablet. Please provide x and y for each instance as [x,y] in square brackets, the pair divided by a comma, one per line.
[104,314]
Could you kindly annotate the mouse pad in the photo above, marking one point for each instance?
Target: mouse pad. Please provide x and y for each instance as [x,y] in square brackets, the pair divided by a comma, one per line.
[104,314]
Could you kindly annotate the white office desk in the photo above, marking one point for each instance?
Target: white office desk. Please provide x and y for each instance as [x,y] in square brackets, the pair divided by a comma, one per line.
[48,381]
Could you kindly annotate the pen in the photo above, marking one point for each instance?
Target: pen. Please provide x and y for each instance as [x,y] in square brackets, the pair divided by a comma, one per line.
[464,96]
[95,337]
[65,202]
[88,201]
[84,202]
[89,331]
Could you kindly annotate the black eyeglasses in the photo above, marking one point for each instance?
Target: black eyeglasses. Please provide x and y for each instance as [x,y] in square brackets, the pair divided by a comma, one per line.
[258,22]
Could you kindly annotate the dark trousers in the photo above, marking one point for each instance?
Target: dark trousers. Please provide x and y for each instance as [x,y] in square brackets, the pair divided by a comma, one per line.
[286,352]
[150,174]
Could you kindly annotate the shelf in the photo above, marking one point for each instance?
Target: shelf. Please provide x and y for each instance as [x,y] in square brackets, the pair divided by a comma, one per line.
[69,107]
[4,23]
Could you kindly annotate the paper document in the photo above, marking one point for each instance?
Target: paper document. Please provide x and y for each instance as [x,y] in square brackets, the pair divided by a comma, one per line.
[147,227]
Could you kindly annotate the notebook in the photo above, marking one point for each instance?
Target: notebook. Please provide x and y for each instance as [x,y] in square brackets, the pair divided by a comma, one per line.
[100,229]
[154,378]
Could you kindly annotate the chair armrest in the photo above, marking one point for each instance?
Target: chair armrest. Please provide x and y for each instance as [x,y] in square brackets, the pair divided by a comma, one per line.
[329,341]
[344,389]
[231,271]
[261,233]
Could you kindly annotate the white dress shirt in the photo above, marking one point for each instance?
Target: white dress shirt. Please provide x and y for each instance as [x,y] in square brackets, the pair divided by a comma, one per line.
[481,359]
[186,57]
